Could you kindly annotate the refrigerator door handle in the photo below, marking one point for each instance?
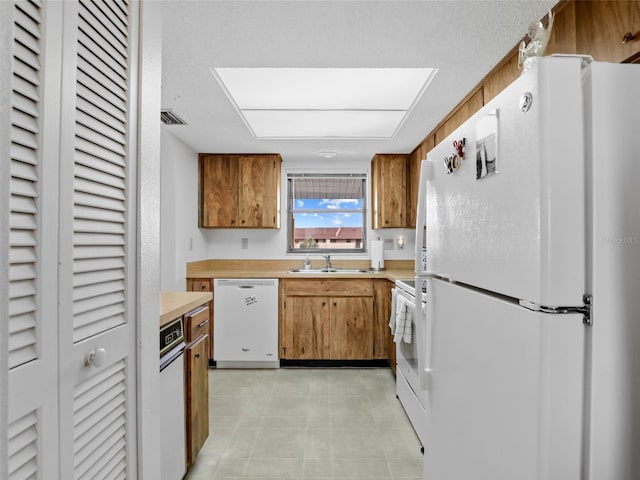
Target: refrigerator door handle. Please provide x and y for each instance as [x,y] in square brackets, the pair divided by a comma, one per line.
[426,368]
[437,275]
[426,173]
[426,381]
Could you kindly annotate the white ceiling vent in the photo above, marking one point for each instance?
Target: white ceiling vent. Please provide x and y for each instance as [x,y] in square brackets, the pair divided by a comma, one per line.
[168,117]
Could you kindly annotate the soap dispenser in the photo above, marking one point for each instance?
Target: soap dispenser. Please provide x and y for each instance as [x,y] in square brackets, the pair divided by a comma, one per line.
[307,263]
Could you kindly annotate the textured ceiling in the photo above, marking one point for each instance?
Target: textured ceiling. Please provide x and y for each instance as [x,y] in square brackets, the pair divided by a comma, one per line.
[463,39]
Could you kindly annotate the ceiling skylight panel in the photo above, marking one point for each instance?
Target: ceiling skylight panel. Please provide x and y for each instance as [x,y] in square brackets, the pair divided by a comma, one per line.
[323,124]
[324,88]
[324,102]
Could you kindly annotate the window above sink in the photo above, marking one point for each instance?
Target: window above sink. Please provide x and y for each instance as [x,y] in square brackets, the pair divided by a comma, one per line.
[326,213]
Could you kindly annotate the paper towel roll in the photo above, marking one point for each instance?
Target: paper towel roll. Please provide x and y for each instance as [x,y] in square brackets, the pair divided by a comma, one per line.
[377,255]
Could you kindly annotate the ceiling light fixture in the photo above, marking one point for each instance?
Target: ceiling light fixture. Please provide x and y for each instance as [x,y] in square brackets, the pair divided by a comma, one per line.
[328,154]
[324,102]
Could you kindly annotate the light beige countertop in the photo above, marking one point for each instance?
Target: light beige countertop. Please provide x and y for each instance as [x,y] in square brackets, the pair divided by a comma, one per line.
[395,269]
[176,304]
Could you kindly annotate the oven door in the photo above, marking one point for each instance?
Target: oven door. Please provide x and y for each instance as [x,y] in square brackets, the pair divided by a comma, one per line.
[409,355]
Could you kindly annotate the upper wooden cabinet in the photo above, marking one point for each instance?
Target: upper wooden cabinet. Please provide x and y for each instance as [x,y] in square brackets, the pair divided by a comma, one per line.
[601,27]
[239,191]
[389,190]
[607,30]
[415,161]
[468,107]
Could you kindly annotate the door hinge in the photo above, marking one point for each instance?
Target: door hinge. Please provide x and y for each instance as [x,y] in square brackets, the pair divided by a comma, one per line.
[584,310]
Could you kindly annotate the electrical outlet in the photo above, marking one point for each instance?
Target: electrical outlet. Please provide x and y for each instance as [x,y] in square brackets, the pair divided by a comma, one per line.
[244,243]
[388,244]
[190,244]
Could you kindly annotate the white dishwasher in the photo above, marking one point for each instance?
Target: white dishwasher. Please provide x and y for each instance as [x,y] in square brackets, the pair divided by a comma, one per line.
[245,323]
[173,453]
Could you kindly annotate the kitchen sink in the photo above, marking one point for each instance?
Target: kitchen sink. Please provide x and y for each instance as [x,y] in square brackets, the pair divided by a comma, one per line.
[328,270]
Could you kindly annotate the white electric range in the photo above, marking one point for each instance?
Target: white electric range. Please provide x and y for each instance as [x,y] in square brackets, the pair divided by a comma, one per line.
[410,357]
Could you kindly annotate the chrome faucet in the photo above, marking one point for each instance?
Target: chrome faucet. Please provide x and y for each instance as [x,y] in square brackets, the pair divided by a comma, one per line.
[328,259]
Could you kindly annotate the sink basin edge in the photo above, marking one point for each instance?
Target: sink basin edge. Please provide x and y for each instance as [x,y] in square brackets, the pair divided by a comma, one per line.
[329,271]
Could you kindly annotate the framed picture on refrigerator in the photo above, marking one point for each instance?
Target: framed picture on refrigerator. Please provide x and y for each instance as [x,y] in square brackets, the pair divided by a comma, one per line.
[487,145]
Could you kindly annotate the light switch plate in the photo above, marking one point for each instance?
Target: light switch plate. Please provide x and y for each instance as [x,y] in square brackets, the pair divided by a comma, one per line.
[388,244]
[244,243]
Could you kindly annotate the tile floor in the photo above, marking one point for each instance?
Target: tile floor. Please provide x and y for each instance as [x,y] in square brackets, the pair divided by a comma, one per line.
[307,424]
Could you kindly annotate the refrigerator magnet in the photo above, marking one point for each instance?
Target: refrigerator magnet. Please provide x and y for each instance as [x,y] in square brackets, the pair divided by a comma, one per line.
[452,163]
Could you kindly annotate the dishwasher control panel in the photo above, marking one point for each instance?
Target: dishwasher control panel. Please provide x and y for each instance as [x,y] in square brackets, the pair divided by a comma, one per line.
[171,334]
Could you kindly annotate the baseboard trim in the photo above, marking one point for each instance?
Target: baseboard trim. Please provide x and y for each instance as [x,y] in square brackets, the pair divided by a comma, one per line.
[335,363]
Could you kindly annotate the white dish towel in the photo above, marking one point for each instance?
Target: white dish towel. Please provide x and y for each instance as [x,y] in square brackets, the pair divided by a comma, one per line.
[402,331]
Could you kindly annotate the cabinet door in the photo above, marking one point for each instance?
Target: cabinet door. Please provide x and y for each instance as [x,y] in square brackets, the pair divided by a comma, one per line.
[351,332]
[204,285]
[199,285]
[601,26]
[413,181]
[197,397]
[239,191]
[219,186]
[471,105]
[259,191]
[389,191]
[306,328]
[382,312]
[504,76]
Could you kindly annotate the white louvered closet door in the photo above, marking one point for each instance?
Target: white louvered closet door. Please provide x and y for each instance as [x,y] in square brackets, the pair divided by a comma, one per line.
[32,434]
[97,241]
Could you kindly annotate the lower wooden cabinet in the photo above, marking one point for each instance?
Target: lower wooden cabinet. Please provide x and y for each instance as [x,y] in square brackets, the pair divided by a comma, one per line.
[305,330]
[197,395]
[327,319]
[382,301]
[351,328]
[204,285]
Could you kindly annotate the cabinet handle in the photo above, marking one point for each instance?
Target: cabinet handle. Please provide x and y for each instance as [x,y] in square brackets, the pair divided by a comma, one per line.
[197,355]
[203,323]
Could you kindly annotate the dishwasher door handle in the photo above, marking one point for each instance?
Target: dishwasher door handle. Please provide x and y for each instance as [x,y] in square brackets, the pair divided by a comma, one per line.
[246,282]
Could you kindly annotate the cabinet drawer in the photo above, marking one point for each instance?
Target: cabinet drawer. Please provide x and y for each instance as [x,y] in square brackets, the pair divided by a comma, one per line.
[330,287]
[196,323]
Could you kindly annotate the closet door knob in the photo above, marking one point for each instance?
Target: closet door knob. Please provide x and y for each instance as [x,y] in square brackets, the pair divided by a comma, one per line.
[96,358]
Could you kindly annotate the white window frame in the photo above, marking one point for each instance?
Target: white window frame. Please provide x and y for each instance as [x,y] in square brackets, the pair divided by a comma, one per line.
[291,176]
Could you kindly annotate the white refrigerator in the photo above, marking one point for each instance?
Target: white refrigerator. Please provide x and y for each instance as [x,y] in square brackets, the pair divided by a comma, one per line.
[532,231]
